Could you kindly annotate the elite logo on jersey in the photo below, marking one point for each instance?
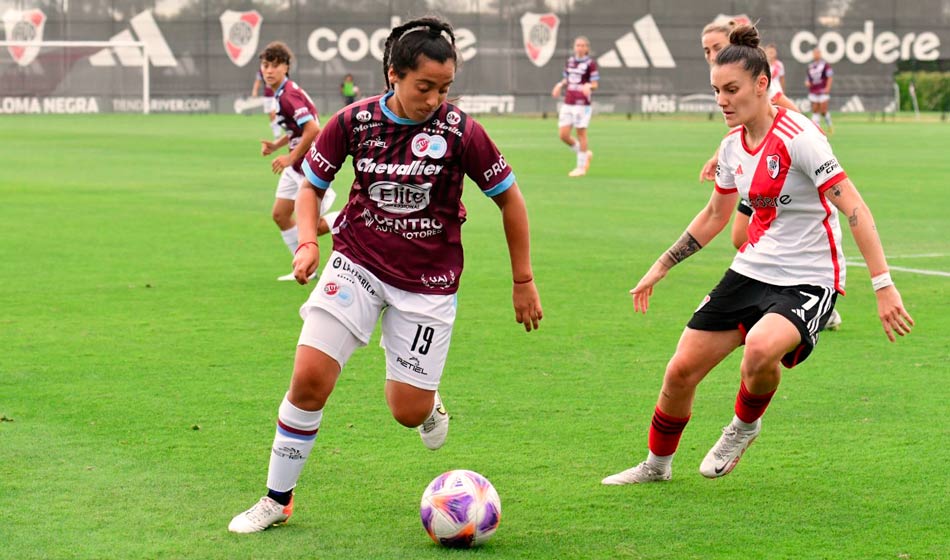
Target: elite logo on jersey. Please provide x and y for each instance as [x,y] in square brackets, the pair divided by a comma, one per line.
[240,31]
[433,146]
[399,198]
[24,26]
[772,165]
[539,32]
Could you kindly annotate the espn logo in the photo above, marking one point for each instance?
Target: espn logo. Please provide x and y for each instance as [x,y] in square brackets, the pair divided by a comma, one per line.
[159,53]
[629,53]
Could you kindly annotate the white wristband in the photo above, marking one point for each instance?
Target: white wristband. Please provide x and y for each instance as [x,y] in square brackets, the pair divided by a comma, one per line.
[881,281]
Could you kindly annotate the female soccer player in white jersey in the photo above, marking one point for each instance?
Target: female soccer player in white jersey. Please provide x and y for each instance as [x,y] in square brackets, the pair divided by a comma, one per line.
[581,78]
[782,284]
[715,37]
[397,250]
[297,115]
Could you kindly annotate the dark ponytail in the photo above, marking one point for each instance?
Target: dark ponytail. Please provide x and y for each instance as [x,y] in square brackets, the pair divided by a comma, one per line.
[744,48]
[429,36]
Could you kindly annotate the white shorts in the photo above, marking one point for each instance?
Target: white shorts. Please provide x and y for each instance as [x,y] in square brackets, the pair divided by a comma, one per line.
[270,105]
[577,116]
[818,97]
[416,328]
[289,185]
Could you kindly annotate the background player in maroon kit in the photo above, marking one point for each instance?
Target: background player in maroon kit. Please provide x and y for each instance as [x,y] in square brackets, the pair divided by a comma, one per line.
[397,255]
[780,287]
[581,78]
[297,115]
[818,78]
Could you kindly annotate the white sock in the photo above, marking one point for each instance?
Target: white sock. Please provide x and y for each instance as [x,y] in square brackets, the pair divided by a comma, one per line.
[663,463]
[576,146]
[828,118]
[816,118]
[290,238]
[581,159]
[296,434]
[743,425]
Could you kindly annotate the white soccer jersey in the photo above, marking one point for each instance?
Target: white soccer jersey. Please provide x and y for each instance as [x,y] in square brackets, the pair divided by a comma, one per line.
[794,236]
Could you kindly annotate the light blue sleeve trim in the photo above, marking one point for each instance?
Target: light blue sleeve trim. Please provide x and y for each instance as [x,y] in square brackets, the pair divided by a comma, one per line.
[305,119]
[312,177]
[502,186]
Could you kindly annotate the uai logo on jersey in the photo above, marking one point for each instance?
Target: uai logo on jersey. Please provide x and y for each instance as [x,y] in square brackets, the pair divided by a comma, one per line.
[772,165]
[240,31]
[540,36]
[24,26]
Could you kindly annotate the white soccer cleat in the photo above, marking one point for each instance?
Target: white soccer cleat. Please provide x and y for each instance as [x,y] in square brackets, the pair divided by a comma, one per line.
[265,513]
[577,172]
[644,472]
[725,455]
[435,428]
[834,321]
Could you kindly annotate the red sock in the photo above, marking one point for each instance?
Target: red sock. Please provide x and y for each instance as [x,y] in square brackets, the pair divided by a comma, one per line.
[665,432]
[749,407]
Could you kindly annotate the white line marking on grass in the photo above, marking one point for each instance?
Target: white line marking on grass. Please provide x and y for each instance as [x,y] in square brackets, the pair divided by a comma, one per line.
[905,269]
[920,256]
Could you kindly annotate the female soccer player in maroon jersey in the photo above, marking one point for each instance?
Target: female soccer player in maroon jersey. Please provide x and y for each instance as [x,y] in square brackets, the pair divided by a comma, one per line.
[784,282]
[397,255]
[580,78]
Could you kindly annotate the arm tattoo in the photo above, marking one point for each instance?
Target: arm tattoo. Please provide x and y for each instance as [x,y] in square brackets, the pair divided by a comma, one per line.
[853,218]
[685,246]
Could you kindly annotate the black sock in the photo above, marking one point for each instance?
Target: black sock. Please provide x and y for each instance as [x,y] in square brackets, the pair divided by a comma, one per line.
[282,498]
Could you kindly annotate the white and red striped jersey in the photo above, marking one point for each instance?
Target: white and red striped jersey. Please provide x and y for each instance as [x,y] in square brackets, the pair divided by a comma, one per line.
[794,236]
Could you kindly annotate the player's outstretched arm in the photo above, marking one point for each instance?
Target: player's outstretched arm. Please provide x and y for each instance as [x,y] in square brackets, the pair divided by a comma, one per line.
[705,226]
[307,208]
[890,308]
[524,292]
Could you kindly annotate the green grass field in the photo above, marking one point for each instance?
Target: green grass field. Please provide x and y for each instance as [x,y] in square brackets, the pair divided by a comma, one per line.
[145,347]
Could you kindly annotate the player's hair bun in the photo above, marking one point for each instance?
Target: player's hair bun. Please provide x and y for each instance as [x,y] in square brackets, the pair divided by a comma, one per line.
[744,35]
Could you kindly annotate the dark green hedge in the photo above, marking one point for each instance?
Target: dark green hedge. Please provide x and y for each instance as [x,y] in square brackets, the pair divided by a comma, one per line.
[933,90]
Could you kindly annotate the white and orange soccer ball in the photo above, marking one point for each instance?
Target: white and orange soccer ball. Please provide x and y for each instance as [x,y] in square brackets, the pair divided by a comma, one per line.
[460,509]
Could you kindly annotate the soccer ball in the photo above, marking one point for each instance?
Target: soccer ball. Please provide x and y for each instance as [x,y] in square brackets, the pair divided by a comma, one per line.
[460,509]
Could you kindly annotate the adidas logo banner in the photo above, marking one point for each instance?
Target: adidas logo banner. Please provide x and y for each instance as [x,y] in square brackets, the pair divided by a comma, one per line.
[147,31]
[628,52]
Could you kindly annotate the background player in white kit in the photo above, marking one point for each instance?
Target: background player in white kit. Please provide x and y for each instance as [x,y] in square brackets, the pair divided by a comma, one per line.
[581,78]
[782,285]
[397,251]
[297,115]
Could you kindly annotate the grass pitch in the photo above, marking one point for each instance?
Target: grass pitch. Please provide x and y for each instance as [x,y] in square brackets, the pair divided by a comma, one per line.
[146,346]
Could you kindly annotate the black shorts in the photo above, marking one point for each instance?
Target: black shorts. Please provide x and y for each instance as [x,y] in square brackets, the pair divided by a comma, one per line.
[738,302]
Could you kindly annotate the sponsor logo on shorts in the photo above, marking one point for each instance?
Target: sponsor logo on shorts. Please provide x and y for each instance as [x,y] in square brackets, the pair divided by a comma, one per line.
[355,277]
[331,289]
[704,302]
[412,364]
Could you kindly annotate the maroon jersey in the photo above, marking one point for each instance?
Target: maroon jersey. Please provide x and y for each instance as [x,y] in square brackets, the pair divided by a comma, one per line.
[818,73]
[294,109]
[403,220]
[577,72]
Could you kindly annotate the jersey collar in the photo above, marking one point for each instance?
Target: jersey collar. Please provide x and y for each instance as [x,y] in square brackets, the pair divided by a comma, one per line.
[392,116]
